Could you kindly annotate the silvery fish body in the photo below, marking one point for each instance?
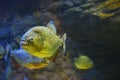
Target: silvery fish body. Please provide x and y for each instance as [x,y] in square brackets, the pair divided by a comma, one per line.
[27,60]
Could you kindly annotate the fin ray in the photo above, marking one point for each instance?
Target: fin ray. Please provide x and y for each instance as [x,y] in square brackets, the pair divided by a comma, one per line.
[64,45]
[51,26]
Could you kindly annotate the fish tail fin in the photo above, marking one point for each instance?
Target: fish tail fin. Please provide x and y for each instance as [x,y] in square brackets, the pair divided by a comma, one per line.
[64,37]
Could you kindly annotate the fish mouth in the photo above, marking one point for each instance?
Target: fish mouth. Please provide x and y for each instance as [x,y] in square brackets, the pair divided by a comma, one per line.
[23,43]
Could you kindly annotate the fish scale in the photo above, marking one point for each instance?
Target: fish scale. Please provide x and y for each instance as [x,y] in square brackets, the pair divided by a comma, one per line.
[45,44]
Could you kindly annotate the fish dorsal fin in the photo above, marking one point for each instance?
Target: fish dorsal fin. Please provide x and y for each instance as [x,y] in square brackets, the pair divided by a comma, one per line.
[51,26]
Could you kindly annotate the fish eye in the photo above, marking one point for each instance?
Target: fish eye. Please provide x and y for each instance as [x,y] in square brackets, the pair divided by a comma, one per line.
[31,39]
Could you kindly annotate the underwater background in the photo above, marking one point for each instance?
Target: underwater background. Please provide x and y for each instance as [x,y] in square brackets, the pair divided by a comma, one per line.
[92,27]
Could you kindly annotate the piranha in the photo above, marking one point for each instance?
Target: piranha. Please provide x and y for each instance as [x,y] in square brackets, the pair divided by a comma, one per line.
[42,41]
[28,61]
[83,62]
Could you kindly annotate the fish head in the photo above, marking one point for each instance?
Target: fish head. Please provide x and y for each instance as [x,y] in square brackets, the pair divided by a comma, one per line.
[31,41]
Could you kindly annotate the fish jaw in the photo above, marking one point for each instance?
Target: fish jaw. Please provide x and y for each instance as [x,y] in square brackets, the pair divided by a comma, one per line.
[23,43]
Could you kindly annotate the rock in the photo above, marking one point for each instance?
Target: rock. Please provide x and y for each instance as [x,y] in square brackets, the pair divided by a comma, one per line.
[5,35]
[77,1]
[19,27]
[69,3]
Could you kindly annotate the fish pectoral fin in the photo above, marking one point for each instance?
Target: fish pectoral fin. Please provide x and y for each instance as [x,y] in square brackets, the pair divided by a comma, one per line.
[51,26]
[64,37]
